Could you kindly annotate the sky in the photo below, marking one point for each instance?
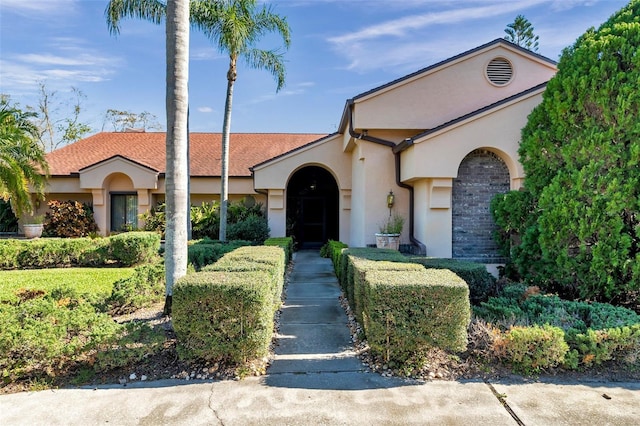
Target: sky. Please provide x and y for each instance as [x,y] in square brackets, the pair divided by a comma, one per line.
[339,49]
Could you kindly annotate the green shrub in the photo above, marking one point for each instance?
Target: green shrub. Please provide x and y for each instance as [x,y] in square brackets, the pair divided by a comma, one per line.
[333,250]
[68,219]
[133,248]
[60,252]
[579,151]
[144,287]
[531,349]
[8,220]
[571,316]
[253,228]
[155,220]
[223,316]
[9,251]
[42,335]
[481,283]
[406,313]
[364,253]
[598,346]
[285,242]
[270,259]
[357,282]
[205,252]
[205,221]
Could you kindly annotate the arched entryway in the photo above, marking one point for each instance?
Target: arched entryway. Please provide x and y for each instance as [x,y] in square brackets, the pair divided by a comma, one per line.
[481,175]
[312,207]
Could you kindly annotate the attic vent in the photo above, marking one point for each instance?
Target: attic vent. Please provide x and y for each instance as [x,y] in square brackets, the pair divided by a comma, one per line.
[499,71]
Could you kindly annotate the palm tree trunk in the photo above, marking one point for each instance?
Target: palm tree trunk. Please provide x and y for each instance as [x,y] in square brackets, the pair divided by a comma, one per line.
[177,178]
[226,137]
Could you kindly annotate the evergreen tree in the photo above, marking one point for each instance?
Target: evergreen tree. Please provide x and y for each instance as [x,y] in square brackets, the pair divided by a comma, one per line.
[521,33]
[578,227]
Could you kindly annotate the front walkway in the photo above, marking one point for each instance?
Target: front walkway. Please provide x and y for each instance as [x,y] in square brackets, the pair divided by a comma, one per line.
[313,336]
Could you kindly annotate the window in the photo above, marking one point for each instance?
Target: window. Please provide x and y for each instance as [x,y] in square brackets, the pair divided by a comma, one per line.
[124,211]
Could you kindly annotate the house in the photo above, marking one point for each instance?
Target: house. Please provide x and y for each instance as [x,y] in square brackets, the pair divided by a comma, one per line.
[443,141]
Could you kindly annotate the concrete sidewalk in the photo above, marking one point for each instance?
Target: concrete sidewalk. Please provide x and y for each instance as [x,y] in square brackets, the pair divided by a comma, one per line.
[315,379]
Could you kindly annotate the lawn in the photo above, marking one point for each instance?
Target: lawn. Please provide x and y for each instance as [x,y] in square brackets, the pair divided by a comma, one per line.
[95,281]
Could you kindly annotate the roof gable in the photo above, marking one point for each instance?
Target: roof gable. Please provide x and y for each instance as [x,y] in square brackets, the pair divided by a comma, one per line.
[449,89]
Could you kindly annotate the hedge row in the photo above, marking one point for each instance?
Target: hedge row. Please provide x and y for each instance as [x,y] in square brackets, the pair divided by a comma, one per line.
[285,242]
[206,251]
[125,249]
[333,250]
[481,283]
[404,308]
[225,312]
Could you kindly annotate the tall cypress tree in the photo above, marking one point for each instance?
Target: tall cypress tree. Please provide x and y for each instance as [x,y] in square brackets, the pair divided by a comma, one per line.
[581,154]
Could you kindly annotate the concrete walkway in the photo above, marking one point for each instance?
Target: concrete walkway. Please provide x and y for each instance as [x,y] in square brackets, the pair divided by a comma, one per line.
[316,379]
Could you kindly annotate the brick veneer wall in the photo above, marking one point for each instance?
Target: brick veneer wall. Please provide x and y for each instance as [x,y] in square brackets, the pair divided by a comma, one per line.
[481,175]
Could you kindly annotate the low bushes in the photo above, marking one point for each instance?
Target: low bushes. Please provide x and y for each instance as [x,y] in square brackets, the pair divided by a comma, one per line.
[576,334]
[205,252]
[530,349]
[225,312]
[144,287]
[481,283]
[126,249]
[45,333]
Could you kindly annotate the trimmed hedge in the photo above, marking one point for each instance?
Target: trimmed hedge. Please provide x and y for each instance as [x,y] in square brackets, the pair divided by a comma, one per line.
[359,268]
[365,253]
[225,312]
[407,313]
[134,248]
[333,250]
[124,249]
[268,259]
[285,242]
[481,282]
[205,252]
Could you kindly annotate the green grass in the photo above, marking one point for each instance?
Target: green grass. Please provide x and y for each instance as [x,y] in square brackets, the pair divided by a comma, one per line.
[94,281]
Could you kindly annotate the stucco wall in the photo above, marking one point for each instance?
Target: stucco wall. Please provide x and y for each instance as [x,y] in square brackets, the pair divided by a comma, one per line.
[448,92]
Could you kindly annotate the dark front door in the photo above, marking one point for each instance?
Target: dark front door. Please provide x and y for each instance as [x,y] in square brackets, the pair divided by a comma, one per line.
[312,207]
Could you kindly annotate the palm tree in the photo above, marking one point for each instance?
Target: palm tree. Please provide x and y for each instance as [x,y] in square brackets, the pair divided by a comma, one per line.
[177,139]
[177,172]
[22,160]
[236,26]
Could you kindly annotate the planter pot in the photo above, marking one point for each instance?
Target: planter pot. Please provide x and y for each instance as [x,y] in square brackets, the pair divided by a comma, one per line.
[389,241]
[32,230]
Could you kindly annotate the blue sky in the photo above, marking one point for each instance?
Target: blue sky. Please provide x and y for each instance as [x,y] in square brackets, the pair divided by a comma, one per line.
[340,48]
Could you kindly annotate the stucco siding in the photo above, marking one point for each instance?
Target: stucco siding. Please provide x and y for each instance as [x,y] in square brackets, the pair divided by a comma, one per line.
[440,154]
[448,92]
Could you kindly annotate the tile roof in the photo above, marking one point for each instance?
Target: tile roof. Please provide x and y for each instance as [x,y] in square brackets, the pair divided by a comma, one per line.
[148,149]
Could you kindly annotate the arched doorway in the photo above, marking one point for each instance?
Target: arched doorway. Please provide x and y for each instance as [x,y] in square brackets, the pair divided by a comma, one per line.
[481,175]
[312,207]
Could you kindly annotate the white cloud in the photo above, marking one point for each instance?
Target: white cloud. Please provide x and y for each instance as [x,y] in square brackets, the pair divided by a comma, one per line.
[40,7]
[204,54]
[205,109]
[403,26]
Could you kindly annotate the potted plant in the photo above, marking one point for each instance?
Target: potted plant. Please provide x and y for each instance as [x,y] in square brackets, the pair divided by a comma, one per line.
[33,227]
[389,235]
